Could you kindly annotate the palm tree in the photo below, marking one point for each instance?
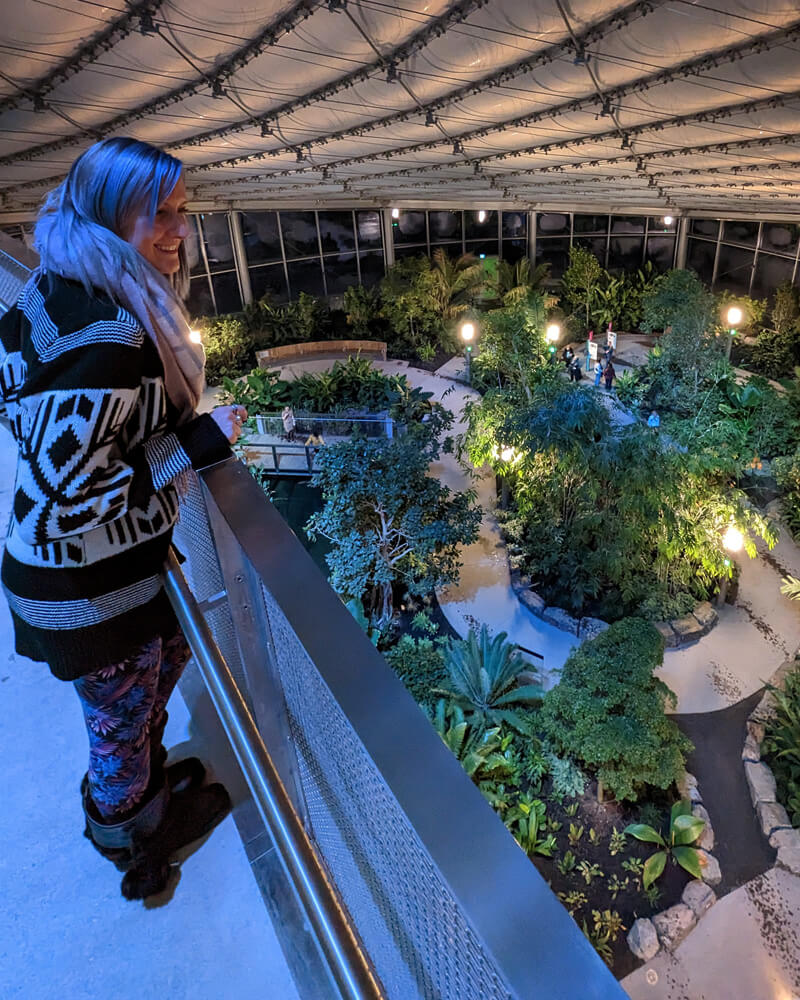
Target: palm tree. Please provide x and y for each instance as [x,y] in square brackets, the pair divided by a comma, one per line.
[516,281]
[454,284]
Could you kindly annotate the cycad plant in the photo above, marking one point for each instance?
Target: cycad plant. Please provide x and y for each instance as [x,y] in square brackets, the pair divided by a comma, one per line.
[483,674]
[454,284]
[684,829]
[479,754]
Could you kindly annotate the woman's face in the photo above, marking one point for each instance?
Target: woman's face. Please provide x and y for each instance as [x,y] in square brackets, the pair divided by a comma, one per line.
[158,242]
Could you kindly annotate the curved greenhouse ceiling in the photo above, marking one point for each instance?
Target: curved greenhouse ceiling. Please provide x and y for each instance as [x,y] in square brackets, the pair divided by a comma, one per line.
[677,106]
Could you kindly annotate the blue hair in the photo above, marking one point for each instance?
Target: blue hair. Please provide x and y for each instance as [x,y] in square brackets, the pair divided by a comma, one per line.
[109,185]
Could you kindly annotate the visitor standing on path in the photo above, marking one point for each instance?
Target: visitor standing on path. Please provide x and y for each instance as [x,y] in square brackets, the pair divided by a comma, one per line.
[608,374]
[101,381]
[598,372]
[289,423]
[654,420]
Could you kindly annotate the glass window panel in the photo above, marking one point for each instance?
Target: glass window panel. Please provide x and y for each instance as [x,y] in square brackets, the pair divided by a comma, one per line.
[474,229]
[218,242]
[661,251]
[627,224]
[336,231]
[590,223]
[515,224]
[555,252]
[514,250]
[340,272]
[305,276]
[656,224]
[733,270]
[409,227]
[770,272]
[597,245]
[192,244]
[625,253]
[453,250]
[780,237]
[226,292]
[269,279]
[199,301]
[262,241]
[368,225]
[700,258]
[745,233]
[705,227]
[552,224]
[299,235]
[402,252]
[487,248]
[444,226]
[371,268]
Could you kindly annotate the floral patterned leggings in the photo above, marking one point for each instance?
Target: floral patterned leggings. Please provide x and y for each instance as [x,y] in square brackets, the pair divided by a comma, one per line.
[123,707]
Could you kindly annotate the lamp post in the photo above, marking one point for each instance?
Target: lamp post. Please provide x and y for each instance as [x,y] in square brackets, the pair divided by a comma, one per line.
[468,335]
[552,333]
[734,319]
[733,540]
[507,456]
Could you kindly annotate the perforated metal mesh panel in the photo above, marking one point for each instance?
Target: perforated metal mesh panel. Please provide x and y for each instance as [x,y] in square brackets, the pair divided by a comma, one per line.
[414,932]
[13,276]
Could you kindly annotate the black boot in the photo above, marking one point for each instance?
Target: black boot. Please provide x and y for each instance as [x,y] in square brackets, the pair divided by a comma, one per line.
[185,773]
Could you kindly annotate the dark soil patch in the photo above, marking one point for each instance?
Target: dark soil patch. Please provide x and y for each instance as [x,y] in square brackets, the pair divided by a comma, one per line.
[630,901]
[741,849]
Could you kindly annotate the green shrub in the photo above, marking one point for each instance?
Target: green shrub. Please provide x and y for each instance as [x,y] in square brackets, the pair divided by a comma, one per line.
[608,712]
[661,606]
[229,348]
[781,746]
[568,780]
[787,474]
[419,663]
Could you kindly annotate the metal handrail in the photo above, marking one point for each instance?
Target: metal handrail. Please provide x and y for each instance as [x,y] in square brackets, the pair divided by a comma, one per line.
[348,964]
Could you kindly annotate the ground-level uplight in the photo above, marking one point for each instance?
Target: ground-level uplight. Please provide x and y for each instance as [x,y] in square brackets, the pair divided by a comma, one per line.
[195,336]
[551,335]
[467,332]
[507,455]
[734,318]
[733,540]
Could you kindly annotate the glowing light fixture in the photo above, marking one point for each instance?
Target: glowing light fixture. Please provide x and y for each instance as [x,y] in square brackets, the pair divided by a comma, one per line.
[734,316]
[733,540]
[506,453]
[553,332]
[668,220]
[481,216]
[195,336]
[395,213]
[467,332]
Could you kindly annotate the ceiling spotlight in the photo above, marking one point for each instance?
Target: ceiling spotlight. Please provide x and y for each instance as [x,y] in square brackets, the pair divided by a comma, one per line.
[429,119]
[335,5]
[605,111]
[581,59]
[300,156]
[640,164]
[392,76]
[325,173]
[626,142]
[147,25]
[457,148]
[266,129]
[476,169]
[217,90]
[38,103]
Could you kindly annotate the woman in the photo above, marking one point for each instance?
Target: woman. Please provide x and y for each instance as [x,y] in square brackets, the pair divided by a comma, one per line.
[101,383]
[609,374]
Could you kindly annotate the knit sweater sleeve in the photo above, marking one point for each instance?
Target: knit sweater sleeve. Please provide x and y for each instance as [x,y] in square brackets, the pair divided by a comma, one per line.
[82,463]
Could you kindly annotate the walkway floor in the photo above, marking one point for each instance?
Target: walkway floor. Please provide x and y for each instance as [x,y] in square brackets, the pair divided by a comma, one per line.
[66,933]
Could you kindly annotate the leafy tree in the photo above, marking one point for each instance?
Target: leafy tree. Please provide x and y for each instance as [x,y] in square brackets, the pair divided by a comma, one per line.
[407,304]
[362,306]
[608,712]
[579,283]
[389,522]
[229,348]
[453,285]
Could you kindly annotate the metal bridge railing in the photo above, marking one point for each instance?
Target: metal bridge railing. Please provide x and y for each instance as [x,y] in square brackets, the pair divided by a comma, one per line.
[434,898]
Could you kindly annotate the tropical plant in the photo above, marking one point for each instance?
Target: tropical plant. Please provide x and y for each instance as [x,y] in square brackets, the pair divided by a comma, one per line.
[608,712]
[781,746]
[634,865]
[390,523]
[261,391]
[589,871]
[483,679]
[627,384]
[454,285]
[616,885]
[479,754]
[567,863]
[228,347]
[573,900]
[525,820]
[407,306]
[362,306]
[419,663]
[617,842]
[605,929]
[575,834]
[684,829]
[787,474]
[516,281]
[567,778]
[579,284]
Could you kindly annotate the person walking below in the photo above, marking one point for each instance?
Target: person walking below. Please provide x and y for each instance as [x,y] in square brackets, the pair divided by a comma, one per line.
[575,373]
[609,374]
[654,420]
[101,382]
[598,373]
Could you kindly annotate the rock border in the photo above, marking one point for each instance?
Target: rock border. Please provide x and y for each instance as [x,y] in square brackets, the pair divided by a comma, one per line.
[677,632]
[774,820]
[666,930]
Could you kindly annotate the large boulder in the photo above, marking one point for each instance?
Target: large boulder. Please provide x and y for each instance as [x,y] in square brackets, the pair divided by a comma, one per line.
[688,628]
[519,581]
[561,619]
[667,633]
[699,897]
[643,939]
[709,866]
[706,616]
[531,600]
[706,838]
[674,924]
[772,816]
[590,628]
[787,844]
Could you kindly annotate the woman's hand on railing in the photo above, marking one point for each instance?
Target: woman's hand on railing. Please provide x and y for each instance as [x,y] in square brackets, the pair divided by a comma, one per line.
[229,419]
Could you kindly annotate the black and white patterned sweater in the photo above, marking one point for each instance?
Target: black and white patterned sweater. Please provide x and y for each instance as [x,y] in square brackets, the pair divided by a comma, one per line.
[94,500]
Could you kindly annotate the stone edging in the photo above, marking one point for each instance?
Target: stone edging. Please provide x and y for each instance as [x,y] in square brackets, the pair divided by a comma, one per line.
[775,823]
[667,929]
[688,628]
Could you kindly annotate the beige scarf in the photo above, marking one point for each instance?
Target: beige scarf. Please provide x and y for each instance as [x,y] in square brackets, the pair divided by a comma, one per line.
[117,268]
